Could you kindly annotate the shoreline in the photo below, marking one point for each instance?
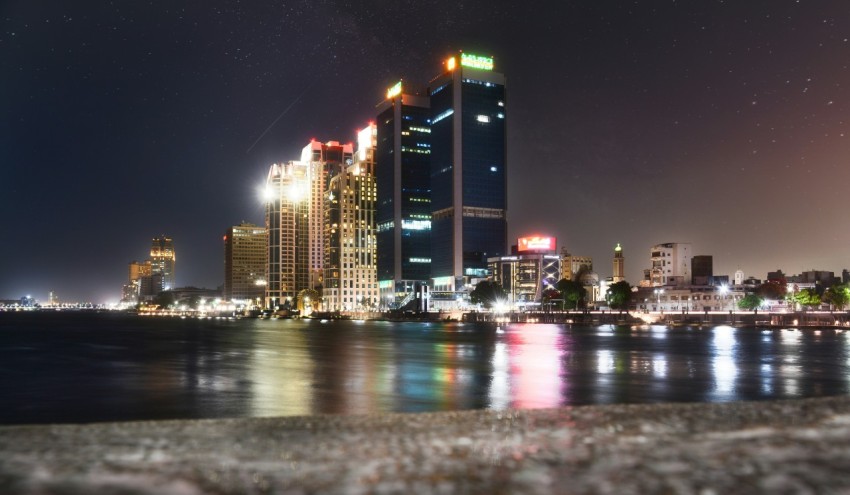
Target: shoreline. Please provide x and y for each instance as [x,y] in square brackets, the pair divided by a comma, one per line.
[837,320]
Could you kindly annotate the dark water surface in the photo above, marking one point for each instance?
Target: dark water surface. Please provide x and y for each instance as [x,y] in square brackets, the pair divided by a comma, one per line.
[77,367]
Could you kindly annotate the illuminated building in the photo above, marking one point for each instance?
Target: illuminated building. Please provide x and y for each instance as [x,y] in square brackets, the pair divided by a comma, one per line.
[324,161]
[245,263]
[287,210]
[403,152]
[671,264]
[572,266]
[619,265]
[533,268]
[133,288]
[295,219]
[350,281]
[691,298]
[468,171]
[162,262]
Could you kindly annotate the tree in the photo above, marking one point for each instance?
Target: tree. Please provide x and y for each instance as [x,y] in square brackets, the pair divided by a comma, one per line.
[837,296]
[807,297]
[487,293]
[571,291]
[750,302]
[771,290]
[619,295]
[164,299]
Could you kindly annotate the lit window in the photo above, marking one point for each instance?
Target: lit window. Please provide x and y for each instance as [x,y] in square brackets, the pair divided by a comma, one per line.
[493,169]
[483,118]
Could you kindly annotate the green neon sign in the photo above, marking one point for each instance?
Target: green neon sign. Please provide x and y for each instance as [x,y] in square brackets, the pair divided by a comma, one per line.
[394,91]
[476,61]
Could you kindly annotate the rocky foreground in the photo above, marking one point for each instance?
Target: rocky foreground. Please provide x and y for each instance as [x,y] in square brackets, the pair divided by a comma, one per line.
[777,447]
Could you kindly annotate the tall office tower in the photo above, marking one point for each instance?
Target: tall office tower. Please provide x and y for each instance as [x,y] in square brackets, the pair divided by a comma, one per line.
[671,264]
[287,224]
[619,265]
[245,263]
[403,173]
[468,171]
[162,261]
[323,161]
[350,279]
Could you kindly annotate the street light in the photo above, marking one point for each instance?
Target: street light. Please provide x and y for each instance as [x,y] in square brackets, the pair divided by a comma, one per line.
[658,293]
[724,290]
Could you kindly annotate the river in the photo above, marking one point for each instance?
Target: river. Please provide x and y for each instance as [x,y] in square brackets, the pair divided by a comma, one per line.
[82,367]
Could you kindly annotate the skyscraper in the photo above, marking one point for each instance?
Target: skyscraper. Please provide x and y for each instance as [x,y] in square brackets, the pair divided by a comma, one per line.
[162,262]
[245,262]
[468,171]
[350,281]
[619,265]
[324,161]
[287,212]
[295,219]
[403,172]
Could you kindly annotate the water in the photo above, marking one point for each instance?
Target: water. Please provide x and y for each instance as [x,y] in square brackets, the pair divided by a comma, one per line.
[77,367]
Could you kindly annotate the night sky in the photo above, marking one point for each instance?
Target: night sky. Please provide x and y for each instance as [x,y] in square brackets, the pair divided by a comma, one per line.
[722,124]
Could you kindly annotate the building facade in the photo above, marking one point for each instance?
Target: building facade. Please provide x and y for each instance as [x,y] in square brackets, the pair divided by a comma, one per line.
[162,261]
[245,255]
[132,291]
[702,269]
[468,171]
[671,264]
[573,266]
[323,161]
[403,152]
[350,275]
[525,277]
[287,226]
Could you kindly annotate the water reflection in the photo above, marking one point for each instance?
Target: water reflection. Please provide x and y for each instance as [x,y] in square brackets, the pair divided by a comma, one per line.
[96,370]
[534,360]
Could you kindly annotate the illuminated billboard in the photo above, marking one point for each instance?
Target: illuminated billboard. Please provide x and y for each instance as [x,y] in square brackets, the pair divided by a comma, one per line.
[394,91]
[536,243]
[476,61]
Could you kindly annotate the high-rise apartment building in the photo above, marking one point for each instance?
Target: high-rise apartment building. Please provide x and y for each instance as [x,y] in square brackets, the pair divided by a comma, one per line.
[468,171]
[324,161]
[350,279]
[619,265]
[162,262]
[671,264]
[295,218]
[403,152]
[245,263]
[287,226]
[133,288]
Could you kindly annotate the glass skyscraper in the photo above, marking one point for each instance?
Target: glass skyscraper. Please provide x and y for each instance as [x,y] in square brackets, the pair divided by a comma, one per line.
[468,171]
[404,193]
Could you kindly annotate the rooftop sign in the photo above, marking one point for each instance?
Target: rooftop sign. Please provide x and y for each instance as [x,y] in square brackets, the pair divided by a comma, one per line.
[536,244]
[394,91]
[476,61]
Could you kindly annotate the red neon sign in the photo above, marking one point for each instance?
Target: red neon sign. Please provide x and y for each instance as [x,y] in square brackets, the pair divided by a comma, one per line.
[536,243]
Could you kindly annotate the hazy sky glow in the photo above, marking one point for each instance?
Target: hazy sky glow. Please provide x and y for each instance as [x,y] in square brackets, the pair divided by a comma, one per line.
[723,124]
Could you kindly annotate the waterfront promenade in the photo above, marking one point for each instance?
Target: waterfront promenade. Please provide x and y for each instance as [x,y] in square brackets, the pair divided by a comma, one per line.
[800,446]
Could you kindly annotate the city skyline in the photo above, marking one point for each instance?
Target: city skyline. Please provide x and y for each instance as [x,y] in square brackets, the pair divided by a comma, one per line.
[718,125]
